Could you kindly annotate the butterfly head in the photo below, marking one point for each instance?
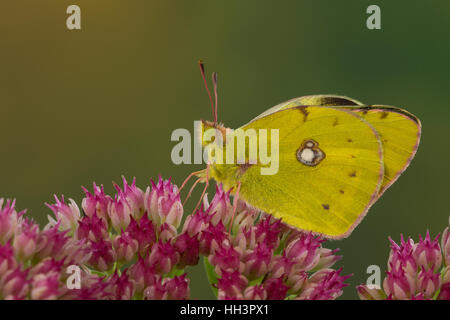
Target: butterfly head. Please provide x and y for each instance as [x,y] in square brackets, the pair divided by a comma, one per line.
[204,126]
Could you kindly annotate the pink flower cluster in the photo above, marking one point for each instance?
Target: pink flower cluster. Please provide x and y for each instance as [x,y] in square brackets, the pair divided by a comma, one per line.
[137,244]
[262,258]
[416,271]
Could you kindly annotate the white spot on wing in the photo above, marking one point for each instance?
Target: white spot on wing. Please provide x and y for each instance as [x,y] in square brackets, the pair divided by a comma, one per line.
[307,155]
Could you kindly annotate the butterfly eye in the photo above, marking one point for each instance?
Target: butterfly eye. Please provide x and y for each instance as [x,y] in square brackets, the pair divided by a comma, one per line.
[309,153]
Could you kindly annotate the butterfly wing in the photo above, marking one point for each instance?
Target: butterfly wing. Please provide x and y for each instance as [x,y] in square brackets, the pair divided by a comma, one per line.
[330,169]
[400,136]
[399,130]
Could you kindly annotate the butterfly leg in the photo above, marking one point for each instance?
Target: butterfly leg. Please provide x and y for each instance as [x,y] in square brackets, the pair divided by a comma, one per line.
[190,191]
[189,178]
[204,189]
[235,201]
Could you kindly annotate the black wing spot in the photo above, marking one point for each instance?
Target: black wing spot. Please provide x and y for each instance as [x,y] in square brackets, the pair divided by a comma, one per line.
[349,140]
[341,191]
[304,111]
[326,206]
[336,122]
[384,115]
[352,174]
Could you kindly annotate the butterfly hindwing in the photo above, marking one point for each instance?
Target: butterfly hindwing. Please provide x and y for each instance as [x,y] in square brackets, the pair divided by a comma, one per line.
[400,136]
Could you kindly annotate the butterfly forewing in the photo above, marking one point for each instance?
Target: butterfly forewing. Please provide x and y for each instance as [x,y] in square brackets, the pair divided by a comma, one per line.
[330,170]
[398,129]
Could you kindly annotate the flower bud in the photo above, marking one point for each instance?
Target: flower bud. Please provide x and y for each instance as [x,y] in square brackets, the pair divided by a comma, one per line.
[45,286]
[366,293]
[212,238]
[281,266]
[126,247]
[231,284]
[142,275]
[144,232]
[401,256]
[245,239]
[428,283]
[96,203]
[46,266]
[156,291]
[220,206]
[196,223]
[162,258]
[276,289]
[428,253]
[51,242]
[177,288]
[445,244]
[256,292]
[325,284]
[134,196]
[244,218]
[446,274]
[7,259]
[119,212]
[399,284]
[25,240]
[162,201]
[268,230]
[120,287]
[296,281]
[102,255]
[92,228]
[304,251]
[327,258]
[167,232]
[14,284]
[225,258]
[8,220]
[444,294]
[257,261]
[66,214]
[188,249]
[77,252]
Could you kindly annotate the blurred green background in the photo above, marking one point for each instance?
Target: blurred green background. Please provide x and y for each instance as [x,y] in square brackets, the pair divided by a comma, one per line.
[93,104]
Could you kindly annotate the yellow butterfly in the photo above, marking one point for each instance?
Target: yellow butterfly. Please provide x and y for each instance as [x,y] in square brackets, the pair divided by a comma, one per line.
[336,158]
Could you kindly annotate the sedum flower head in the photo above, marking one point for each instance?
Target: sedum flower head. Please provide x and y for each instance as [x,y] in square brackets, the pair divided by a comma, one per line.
[262,257]
[8,220]
[137,245]
[415,271]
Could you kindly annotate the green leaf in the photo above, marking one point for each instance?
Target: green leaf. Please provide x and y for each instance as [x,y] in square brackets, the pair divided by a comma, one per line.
[257,280]
[174,273]
[211,274]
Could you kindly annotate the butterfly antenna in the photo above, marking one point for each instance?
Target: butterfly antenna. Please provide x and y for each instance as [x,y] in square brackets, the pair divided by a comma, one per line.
[202,71]
[214,79]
